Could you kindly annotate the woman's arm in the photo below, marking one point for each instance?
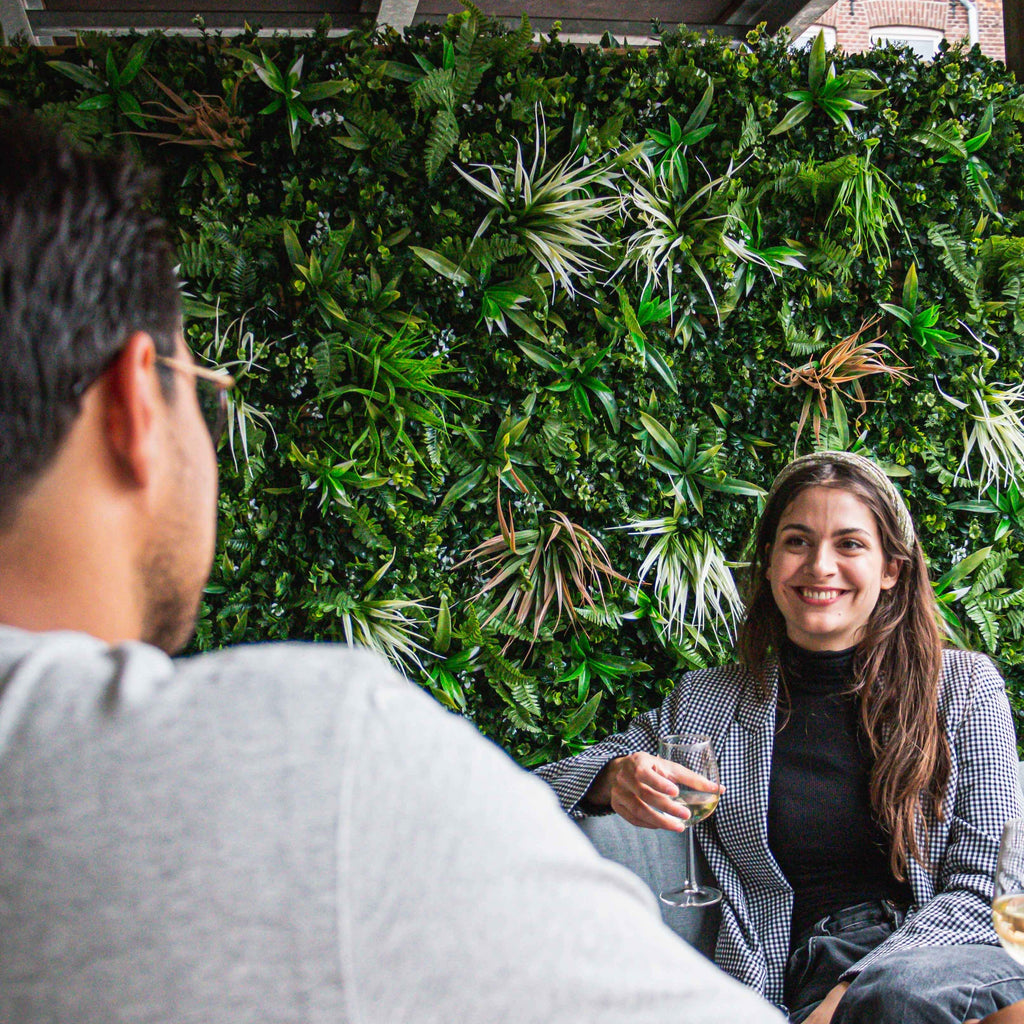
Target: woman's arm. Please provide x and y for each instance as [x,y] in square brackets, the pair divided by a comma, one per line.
[987,795]
[593,781]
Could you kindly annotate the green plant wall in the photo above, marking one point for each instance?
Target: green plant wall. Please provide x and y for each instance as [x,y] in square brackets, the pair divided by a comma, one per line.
[522,330]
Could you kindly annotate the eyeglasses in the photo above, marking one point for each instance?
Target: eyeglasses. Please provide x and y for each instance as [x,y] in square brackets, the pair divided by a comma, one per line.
[212,387]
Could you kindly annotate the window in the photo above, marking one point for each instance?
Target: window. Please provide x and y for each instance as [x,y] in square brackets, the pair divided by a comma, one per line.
[923,41]
[807,37]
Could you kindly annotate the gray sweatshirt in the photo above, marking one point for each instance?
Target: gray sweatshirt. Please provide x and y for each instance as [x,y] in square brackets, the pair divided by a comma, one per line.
[292,833]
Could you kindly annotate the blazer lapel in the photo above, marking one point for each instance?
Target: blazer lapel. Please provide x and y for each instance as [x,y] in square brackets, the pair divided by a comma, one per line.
[745,760]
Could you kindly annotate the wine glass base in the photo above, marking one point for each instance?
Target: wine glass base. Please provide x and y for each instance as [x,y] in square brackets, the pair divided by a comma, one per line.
[697,896]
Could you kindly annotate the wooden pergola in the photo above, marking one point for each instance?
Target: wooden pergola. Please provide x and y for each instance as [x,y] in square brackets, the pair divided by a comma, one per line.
[46,21]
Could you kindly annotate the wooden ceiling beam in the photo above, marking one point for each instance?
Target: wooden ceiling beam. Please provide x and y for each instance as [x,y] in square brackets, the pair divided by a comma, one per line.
[1013,31]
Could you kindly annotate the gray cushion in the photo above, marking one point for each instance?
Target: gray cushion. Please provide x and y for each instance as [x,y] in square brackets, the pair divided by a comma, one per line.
[656,856]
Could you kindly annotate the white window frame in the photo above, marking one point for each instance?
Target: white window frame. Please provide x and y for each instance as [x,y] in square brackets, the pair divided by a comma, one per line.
[809,34]
[923,41]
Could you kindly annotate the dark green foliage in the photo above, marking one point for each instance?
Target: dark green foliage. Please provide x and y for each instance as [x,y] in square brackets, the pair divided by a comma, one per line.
[413,376]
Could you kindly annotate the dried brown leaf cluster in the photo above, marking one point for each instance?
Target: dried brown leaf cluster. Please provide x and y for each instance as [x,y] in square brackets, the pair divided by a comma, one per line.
[844,364]
[206,124]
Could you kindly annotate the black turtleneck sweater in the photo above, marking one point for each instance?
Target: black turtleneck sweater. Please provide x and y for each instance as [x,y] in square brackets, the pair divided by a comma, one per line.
[820,826]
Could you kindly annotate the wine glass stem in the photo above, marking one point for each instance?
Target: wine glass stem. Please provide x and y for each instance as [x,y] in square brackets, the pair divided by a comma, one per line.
[688,885]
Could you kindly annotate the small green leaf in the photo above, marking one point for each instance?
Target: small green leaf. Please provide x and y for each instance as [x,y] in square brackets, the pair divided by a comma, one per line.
[443,633]
[464,485]
[793,118]
[582,717]
[292,246]
[100,102]
[442,265]
[910,288]
[321,91]
[816,69]
[78,74]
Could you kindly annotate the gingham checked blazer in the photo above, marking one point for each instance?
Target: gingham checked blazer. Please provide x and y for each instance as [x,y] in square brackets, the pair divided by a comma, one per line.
[951,906]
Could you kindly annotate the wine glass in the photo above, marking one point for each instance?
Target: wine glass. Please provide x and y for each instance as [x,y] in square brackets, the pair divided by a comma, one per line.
[1008,896]
[693,752]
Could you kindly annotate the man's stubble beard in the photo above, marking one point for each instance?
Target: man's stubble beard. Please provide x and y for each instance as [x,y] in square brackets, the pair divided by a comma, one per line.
[172,577]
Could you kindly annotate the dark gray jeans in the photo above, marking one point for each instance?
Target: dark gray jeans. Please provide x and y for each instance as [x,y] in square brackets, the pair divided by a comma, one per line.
[927,985]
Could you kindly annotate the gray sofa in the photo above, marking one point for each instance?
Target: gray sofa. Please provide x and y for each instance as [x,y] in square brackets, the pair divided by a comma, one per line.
[656,857]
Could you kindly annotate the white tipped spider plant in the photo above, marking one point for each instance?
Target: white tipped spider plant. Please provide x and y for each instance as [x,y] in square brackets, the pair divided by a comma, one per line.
[550,208]
[691,575]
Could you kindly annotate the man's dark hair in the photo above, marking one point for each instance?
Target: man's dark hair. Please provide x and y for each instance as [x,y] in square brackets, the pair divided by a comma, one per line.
[83,264]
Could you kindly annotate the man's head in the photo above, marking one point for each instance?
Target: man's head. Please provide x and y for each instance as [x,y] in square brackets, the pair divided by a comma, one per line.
[91,412]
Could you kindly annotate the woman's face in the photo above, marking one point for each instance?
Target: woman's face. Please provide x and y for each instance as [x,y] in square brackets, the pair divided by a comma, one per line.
[826,568]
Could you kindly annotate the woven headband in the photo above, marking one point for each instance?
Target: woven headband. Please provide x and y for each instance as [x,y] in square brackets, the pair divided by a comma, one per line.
[870,469]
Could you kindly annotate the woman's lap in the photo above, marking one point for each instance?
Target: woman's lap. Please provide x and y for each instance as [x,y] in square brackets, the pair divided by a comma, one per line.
[925,985]
[932,985]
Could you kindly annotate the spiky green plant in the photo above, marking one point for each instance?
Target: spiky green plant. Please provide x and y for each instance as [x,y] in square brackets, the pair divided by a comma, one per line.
[832,93]
[242,417]
[693,582]
[676,231]
[383,625]
[692,466]
[866,202]
[555,566]
[994,430]
[392,375]
[551,208]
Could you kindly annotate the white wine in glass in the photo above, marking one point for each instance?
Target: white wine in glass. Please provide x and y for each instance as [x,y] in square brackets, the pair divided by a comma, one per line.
[1008,896]
[693,752]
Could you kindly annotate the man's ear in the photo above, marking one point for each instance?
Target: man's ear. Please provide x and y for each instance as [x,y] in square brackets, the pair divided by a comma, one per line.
[131,392]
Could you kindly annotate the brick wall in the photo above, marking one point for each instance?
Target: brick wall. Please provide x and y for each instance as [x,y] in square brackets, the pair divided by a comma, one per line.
[852,28]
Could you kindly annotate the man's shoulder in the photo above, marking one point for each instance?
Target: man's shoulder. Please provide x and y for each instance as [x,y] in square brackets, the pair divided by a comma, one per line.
[136,680]
[290,664]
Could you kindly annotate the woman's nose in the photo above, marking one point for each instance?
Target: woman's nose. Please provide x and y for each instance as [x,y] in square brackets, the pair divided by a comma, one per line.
[823,560]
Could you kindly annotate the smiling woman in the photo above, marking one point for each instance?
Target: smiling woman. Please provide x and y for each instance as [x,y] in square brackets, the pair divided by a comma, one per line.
[866,771]
[827,568]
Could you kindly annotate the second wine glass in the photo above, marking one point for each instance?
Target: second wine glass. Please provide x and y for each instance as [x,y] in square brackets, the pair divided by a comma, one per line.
[694,752]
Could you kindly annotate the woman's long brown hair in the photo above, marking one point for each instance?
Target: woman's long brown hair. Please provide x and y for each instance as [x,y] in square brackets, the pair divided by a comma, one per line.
[896,665]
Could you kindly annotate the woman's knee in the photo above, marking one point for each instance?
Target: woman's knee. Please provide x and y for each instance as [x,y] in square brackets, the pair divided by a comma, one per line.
[936,983]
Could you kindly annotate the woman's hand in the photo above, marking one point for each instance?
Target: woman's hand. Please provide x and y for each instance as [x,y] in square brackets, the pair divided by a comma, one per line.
[642,789]
[822,1013]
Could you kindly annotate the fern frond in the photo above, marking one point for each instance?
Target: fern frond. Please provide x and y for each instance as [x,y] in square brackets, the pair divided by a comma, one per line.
[444,136]
[990,575]
[435,89]
[323,365]
[365,527]
[515,45]
[752,132]
[1002,254]
[820,181]
[986,621]
[947,137]
[953,255]
[377,124]
[608,615]
[468,75]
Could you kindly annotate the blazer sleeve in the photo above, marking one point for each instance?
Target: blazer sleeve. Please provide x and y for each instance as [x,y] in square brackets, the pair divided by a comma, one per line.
[987,795]
[571,777]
